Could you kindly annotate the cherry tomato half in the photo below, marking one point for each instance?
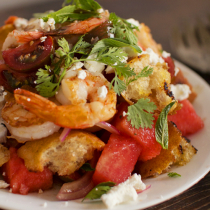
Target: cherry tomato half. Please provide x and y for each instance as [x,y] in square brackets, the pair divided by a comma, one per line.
[29,56]
[11,79]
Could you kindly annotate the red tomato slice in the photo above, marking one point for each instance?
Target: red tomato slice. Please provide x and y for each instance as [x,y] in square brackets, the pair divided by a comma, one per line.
[144,136]
[29,56]
[117,160]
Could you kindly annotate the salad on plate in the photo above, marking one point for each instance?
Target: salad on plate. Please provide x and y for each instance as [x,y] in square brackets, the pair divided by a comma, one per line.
[91,99]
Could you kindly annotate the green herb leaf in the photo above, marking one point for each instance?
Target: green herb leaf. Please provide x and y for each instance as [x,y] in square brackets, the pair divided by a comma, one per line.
[79,10]
[99,190]
[87,167]
[161,127]
[123,29]
[118,85]
[140,114]
[146,71]
[173,174]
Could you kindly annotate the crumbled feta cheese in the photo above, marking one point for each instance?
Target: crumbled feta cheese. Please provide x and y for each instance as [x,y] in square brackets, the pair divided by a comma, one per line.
[81,74]
[100,10]
[94,66]
[133,22]
[166,54]
[111,35]
[109,70]
[124,113]
[75,66]
[153,57]
[102,92]
[124,192]
[20,23]
[176,71]
[51,23]
[43,38]
[3,184]
[180,91]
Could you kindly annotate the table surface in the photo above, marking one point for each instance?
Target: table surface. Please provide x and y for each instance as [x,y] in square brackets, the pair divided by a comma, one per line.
[161,16]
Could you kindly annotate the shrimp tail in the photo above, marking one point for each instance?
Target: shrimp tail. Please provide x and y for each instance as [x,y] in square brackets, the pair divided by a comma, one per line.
[71,116]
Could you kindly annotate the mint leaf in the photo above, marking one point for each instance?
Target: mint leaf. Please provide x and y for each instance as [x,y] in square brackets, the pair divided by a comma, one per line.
[140,114]
[161,127]
[99,190]
[173,174]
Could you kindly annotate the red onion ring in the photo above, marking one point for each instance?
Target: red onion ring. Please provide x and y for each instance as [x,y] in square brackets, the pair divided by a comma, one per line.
[140,191]
[108,127]
[80,187]
[64,134]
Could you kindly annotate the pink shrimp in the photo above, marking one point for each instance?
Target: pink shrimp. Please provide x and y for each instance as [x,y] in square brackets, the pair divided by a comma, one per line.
[15,38]
[81,27]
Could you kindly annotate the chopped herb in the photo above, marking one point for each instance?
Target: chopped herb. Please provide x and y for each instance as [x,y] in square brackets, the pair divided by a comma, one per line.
[99,190]
[141,113]
[174,174]
[161,127]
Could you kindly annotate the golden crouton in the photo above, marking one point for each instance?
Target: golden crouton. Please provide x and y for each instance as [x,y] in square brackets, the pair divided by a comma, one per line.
[179,152]
[145,39]
[4,155]
[61,157]
[155,86]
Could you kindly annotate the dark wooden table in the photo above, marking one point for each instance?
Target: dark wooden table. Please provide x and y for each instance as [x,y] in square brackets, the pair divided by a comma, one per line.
[161,16]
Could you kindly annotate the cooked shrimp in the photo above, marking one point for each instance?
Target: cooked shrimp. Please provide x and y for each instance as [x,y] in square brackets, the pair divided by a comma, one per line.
[82,111]
[24,125]
[81,27]
[15,38]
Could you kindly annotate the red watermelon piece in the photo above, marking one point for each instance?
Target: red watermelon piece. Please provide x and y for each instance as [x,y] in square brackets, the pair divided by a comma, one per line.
[171,65]
[145,137]
[23,181]
[117,160]
[186,119]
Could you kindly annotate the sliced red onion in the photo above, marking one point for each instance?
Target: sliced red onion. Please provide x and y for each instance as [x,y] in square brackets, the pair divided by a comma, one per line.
[80,187]
[108,127]
[140,191]
[64,134]
[76,194]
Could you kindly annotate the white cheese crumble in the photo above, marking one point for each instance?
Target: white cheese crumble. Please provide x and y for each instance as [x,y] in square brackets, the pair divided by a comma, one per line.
[166,54]
[109,70]
[20,23]
[133,22]
[180,91]
[100,10]
[154,58]
[94,66]
[124,192]
[81,74]
[102,92]
[43,38]
[76,66]
[3,184]
[51,23]
[124,113]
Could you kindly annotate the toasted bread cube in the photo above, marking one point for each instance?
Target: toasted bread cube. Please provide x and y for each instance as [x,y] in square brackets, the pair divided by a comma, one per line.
[64,157]
[4,154]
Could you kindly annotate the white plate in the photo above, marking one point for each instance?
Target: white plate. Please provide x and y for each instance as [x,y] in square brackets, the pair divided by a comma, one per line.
[162,187]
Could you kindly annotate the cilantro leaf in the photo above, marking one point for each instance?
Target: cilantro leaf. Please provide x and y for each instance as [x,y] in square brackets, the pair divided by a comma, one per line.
[99,190]
[123,29]
[146,71]
[118,85]
[161,127]
[45,83]
[140,113]
[89,5]
[87,167]
[174,174]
